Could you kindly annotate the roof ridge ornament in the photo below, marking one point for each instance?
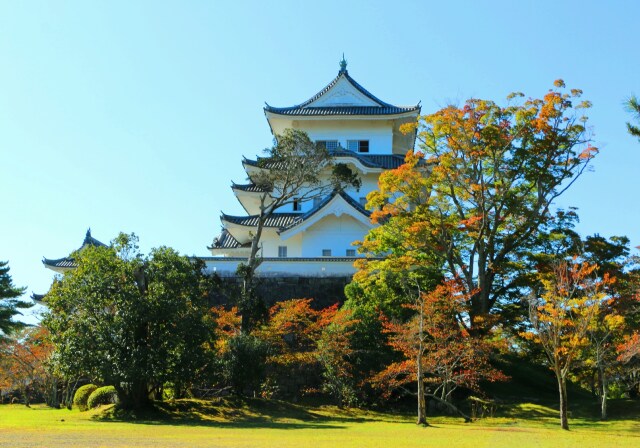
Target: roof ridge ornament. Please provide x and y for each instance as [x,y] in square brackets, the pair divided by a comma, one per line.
[343,65]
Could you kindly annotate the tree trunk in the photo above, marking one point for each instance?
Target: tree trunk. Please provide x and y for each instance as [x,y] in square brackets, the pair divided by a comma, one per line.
[562,389]
[250,305]
[422,407]
[134,396]
[603,396]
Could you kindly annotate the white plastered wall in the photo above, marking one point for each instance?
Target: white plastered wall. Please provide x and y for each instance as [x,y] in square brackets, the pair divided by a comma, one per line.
[332,232]
[378,132]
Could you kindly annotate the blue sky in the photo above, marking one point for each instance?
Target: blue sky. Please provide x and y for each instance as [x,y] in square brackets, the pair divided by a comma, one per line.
[134,116]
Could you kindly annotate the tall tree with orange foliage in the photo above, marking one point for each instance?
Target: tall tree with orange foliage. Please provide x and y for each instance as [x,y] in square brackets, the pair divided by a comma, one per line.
[562,316]
[478,203]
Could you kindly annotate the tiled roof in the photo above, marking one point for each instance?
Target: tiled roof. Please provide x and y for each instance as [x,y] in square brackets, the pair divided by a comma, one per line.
[382,161]
[251,188]
[284,221]
[263,162]
[91,241]
[290,259]
[69,262]
[226,241]
[355,204]
[341,110]
[37,297]
[304,108]
[277,220]
[66,262]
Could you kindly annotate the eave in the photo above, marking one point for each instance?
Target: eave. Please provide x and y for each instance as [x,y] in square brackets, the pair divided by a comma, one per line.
[337,204]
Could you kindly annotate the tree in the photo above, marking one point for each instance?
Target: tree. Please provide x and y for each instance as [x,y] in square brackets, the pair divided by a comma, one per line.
[335,351]
[561,318]
[23,365]
[436,349]
[9,305]
[494,173]
[633,106]
[130,321]
[295,169]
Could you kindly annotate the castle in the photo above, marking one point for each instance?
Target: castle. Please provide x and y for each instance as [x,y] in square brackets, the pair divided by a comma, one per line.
[314,238]
[312,242]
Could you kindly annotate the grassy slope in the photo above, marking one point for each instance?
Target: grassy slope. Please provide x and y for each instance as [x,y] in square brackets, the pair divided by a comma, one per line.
[277,424]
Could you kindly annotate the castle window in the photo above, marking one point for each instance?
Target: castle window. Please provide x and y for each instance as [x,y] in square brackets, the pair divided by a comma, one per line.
[297,205]
[358,145]
[331,145]
[282,251]
[326,252]
[316,202]
[351,252]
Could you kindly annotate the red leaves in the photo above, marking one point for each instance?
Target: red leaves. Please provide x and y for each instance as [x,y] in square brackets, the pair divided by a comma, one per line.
[435,336]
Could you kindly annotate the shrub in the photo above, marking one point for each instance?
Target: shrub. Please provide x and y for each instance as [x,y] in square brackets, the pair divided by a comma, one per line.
[82,395]
[243,364]
[102,395]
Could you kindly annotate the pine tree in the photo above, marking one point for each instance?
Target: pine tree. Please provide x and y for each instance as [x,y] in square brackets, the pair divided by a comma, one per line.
[633,106]
[9,305]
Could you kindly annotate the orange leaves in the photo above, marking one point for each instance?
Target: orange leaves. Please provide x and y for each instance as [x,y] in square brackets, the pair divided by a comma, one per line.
[630,348]
[588,153]
[294,328]
[227,325]
[566,311]
[434,337]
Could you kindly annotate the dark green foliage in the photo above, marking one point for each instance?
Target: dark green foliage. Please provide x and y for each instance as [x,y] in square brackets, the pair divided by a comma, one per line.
[243,364]
[132,321]
[633,106]
[81,397]
[102,395]
[9,305]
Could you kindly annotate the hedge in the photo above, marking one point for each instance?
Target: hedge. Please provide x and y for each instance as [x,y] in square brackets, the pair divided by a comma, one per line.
[102,395]
[82,395]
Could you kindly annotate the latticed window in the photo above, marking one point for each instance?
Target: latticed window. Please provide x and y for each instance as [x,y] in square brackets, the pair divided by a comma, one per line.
[358,145]
[326,252]
[282,251]
[351,252]
[331,145]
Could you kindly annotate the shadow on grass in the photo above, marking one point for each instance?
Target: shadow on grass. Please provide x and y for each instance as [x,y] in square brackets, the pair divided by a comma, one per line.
[232,413]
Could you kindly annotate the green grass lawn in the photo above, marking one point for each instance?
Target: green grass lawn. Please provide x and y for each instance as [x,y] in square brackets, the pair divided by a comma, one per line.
[256,423]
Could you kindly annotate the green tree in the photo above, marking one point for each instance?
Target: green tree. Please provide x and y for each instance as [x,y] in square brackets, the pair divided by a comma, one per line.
[10,306]
[494,174]
[130,321]
[294,169]
[633,106]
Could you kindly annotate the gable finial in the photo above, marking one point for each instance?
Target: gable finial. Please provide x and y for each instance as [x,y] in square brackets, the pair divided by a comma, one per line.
[343,64]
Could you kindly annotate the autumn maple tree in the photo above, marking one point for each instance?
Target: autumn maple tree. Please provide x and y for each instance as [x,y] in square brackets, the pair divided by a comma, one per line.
[562,316]
[23,365]
[437,352]
[304,341]
[477,194]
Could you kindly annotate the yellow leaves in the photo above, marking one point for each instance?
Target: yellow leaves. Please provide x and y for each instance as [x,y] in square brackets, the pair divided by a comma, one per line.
[559,83]
[409,128]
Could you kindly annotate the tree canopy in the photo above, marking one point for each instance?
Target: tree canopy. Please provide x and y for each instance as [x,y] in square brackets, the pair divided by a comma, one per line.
[477,194]
[9,304]
[130,321]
